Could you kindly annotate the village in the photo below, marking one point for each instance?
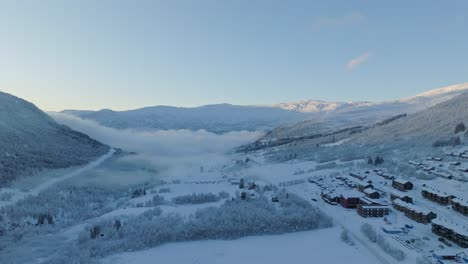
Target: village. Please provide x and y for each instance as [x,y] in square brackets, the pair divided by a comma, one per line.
[436,222]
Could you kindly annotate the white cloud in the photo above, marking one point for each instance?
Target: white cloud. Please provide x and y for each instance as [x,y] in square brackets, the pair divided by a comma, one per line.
[176,152]
[346,20]
[352,64]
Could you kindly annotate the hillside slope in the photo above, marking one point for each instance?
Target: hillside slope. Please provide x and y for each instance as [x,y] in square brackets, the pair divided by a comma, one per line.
[434,123]
[360,114]
[403,134]
[31,140]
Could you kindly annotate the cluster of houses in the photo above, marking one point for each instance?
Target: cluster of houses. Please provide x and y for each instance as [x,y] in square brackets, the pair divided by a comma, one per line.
[459,204]
[431,169]
[352,199]
[455,232]
[459,154]
[404,203]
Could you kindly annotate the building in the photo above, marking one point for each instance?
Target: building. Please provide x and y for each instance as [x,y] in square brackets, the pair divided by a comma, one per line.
[414,212]
[371,193]
[460,205]
[350,199]
[437,196]
[331,198]
[400,195]
[402,184]
[448,254]
[455,232]
[372,210]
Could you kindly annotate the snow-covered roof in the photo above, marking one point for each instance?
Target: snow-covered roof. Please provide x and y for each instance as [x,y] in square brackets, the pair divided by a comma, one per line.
[436,191]
[368,200]
[351,194]
[369,191]
[401,180]
[455,227]
[461,201]
[375,207]
[412,207]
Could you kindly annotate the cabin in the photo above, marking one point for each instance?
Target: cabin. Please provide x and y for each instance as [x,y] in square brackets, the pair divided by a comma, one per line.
[350,199]
[443,174]
[420,215]
[364,185]
[436,195]
[402,184]
[400,195]
[460,205]
[455,232]
[331,197]
[371,193]
[372,210]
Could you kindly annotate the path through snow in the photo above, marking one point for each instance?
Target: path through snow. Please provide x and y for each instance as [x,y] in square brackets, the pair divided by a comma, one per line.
[35,191]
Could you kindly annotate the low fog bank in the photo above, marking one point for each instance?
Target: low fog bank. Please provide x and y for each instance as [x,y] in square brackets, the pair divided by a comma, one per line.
[160,142]
[177,151]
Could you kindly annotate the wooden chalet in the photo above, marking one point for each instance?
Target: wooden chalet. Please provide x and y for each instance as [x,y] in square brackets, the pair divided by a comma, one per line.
[402,184]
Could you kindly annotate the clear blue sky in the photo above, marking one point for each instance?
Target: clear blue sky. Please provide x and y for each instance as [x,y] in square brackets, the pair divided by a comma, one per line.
[127,54]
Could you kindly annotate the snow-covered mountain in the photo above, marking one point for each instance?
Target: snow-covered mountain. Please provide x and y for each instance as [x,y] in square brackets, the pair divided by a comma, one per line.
[334,116]
[31,140]
[434,123]
[218,118]
[414,103]
[298,119]
[444,124]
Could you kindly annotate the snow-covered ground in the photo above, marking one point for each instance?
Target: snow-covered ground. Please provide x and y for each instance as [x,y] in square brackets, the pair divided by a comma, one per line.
[320,246]
[19,194]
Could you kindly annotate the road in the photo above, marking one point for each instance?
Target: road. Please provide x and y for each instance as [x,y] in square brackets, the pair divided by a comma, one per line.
[35,191]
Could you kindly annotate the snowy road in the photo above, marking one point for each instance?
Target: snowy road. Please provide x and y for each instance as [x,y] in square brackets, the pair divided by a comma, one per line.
[21,195]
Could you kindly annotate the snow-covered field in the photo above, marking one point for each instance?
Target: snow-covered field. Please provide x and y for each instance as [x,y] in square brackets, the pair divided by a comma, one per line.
[319,246]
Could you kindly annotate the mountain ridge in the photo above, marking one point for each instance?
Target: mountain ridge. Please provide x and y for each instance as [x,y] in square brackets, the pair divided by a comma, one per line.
[32,140]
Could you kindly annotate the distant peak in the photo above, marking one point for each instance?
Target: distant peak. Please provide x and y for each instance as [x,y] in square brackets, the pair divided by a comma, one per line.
[442,90]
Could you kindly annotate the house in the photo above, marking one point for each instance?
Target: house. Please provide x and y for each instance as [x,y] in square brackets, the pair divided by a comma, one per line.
[369,201]
[460,205]
[364,185]
[350,199]
[371,193]
[402,184]
[420,215]
[372,210]
[436,195]
[448,254]
[443,174]
[414,163]
[455,232]
[400,195]
[331,197]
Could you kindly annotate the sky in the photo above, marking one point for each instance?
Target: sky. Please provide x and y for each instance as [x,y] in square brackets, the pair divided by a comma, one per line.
[128,54]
